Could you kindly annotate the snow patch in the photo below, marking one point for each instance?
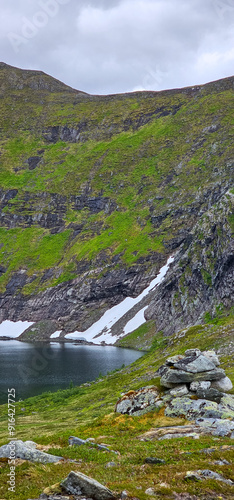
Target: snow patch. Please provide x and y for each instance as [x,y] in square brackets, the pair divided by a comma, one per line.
[13,329]
[55,335]
[102,328]
[135,322]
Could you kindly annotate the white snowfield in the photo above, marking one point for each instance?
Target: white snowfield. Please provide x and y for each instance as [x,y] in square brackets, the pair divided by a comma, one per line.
[13,329]
[101,330]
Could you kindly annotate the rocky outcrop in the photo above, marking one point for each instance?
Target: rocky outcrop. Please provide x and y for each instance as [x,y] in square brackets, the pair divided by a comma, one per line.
[201,278]
[48,210]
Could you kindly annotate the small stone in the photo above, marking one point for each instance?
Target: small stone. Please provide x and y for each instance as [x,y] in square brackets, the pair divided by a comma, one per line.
[110,464]
[154,460]
[212,356]
[192,352]
[180,390]
[124,495]
[151,492]
[221,462]
[75,441]
[192,476]
[223,385]
[194,386]
[174,359]
[206,473]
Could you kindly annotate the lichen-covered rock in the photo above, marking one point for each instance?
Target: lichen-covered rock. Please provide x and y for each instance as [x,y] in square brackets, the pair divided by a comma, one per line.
[205,384]
[77,483]
[217,427]
[139,402]
[193,409]
[27,451]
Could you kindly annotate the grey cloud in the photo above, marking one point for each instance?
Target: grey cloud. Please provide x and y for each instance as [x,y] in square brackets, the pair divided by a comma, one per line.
[108,46]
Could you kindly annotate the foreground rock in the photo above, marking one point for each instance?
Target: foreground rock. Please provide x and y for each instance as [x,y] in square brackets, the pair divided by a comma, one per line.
[27,451]
[202,427]
[206,474]
[77,483]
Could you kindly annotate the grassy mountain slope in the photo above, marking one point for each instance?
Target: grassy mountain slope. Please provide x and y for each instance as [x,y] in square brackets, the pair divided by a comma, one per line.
[97,191]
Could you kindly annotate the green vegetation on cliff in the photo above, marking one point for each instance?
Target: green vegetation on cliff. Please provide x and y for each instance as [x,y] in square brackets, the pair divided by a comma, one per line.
[113,178]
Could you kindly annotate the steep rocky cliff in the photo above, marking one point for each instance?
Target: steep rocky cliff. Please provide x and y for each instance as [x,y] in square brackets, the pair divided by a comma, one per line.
[97,191]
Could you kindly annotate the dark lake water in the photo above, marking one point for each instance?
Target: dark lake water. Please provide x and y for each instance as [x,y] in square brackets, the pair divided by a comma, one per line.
[35,368]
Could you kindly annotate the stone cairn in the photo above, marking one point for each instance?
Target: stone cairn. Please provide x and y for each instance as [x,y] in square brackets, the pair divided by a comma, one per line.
[194,388]
[196,372]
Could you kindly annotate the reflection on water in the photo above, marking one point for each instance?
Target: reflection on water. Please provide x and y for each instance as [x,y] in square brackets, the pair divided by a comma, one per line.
[34,368]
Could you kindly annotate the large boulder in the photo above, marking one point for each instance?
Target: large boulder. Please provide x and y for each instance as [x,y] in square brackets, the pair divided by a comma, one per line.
[27,451]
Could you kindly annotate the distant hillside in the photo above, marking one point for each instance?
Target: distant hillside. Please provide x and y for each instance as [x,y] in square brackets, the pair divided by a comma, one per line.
[96,192]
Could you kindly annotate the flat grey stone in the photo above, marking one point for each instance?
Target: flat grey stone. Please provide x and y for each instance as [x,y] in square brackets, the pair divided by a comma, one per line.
[21,450]
[175,377]
[206,473]
[195,365]
[224,384]
[77,483]
[75,441]
[180,390]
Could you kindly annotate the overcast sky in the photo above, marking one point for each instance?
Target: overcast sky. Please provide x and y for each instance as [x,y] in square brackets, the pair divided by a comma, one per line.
[112,46]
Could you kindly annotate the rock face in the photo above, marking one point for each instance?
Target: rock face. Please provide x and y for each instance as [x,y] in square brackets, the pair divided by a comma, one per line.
[27,451]
[77,483]
[201,278]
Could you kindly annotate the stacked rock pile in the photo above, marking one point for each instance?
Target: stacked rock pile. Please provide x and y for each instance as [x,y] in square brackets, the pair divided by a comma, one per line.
[196,372]
[194,388]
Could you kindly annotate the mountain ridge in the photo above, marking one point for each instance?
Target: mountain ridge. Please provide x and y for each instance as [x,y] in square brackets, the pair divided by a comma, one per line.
[97,191]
